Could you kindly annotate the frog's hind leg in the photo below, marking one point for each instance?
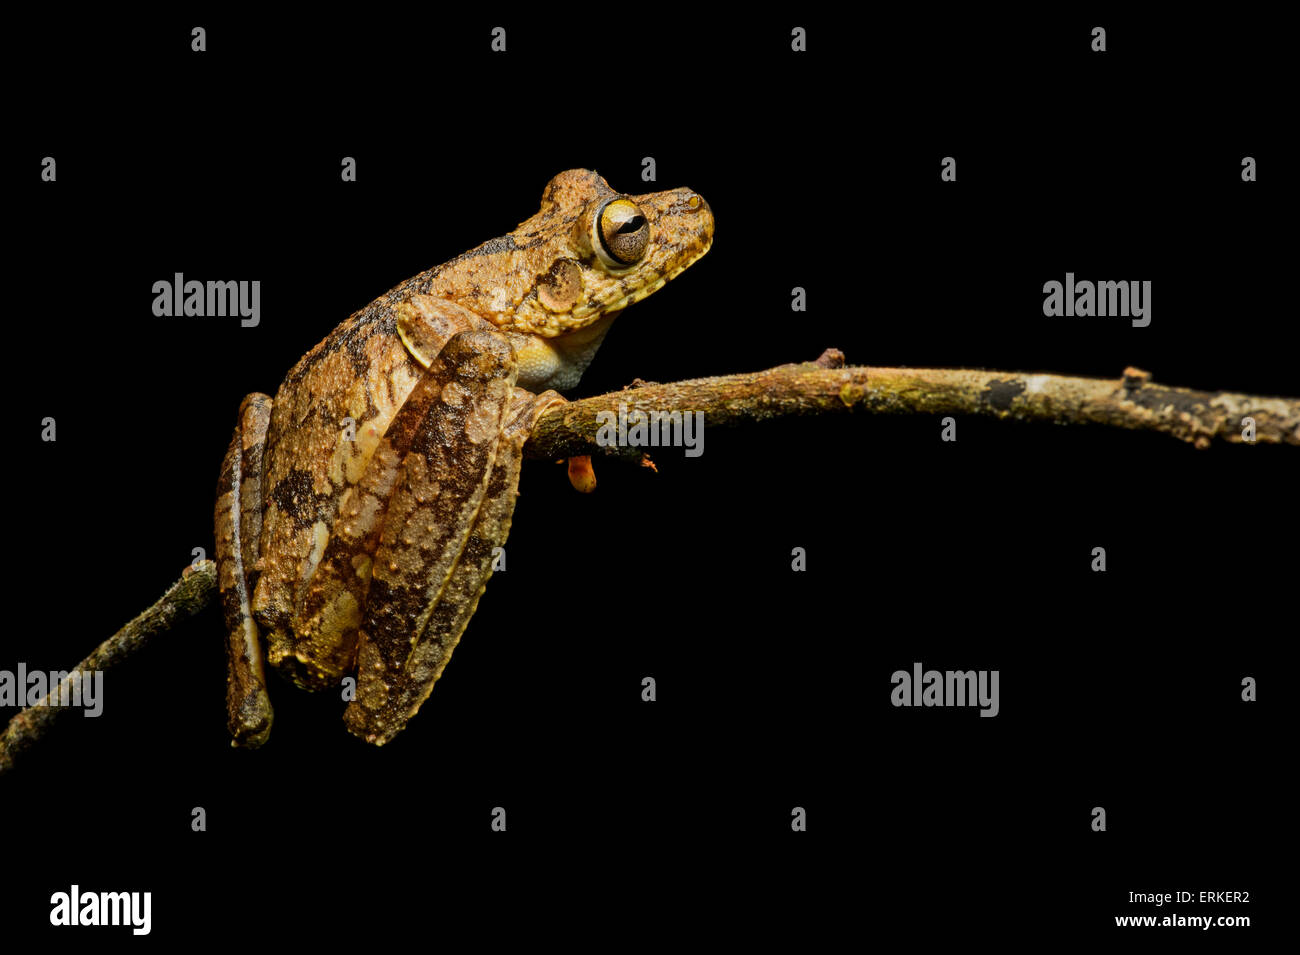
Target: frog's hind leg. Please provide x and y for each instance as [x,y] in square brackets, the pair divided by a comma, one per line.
[239,530]
[451,507]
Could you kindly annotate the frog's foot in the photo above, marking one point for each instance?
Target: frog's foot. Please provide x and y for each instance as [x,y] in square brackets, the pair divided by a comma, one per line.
[526,408]
[238,528]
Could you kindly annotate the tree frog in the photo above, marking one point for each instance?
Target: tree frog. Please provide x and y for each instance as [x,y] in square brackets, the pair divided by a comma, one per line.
[358,511]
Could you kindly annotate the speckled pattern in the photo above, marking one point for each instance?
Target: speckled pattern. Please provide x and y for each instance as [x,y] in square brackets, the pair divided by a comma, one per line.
[368,541]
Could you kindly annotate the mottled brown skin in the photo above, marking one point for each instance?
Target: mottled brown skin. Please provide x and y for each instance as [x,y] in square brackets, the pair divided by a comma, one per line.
[366,548]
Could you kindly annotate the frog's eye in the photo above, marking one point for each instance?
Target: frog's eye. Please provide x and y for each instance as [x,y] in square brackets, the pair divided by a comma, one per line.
[622,233]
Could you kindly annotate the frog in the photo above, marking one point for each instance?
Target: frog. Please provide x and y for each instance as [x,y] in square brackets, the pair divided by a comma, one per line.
[360,511]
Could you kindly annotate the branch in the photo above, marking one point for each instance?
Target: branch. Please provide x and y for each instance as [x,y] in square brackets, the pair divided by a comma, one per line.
[823,387]
[183,599]
[820,387]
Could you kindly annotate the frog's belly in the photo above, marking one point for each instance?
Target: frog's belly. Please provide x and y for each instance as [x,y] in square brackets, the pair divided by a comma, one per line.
[325,426]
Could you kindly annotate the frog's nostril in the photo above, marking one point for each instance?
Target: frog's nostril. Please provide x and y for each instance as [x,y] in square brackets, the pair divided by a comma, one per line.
[695,202]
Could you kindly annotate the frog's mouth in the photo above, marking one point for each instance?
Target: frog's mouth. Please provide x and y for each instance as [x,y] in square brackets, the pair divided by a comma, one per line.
[683,266]
[651,287]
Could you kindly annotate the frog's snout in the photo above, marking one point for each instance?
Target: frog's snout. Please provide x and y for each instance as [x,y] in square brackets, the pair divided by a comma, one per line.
[686,229]
[682,213]
[695,209]
[706,219]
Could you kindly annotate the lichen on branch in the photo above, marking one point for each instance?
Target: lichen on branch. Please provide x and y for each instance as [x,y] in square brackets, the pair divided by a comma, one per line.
[1131,401]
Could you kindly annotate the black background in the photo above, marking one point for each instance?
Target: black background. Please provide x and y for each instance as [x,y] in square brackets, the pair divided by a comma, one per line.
[670,820]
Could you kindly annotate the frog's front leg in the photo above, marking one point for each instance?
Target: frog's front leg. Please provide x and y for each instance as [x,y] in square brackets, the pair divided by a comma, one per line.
[239,530]
[452,505]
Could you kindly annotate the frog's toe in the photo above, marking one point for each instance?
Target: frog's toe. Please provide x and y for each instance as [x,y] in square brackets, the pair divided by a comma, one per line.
[581,474]
[250,723]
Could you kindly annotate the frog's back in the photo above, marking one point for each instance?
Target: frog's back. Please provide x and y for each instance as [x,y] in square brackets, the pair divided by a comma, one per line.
[361,372]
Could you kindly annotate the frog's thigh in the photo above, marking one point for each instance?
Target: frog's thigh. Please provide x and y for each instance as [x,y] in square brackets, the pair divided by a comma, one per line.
[328,614]
[451,506]
[238,531]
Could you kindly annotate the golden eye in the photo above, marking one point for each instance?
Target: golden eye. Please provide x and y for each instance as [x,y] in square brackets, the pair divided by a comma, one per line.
[623,233]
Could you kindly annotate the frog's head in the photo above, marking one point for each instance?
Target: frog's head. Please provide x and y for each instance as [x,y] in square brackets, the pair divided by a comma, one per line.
[555,282]
[607,250]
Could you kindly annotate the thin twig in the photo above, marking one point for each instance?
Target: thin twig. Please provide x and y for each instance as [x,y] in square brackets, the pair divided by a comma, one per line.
[183,599]
[820,387]
[1130,401]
